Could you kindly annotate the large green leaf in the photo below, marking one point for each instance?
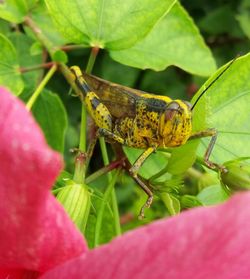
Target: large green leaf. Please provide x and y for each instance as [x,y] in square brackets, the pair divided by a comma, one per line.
[41,17]
[15,10]
[10,76]
[51,116]
[111,24]
[175,40]
[228,103]
[182,158]
[22,45]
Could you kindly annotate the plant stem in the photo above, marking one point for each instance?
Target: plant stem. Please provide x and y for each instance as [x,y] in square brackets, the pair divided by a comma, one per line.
[102,208]
[40,35]
[40,87]
[104,170]
[80,167]
[72,47]
[113,195]
[37,67]
[82,143]
[117,223]
[193,173]
[92,58]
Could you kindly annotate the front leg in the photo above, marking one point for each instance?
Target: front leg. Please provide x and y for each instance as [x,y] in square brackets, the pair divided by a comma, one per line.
[213,134]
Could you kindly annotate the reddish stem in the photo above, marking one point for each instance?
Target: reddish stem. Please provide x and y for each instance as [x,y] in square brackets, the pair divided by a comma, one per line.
[37,67]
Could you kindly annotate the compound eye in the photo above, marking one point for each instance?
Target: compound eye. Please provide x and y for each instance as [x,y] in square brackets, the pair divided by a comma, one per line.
[171,110]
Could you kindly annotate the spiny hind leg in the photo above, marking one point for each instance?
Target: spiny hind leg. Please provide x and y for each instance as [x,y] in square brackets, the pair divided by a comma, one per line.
[134,173]
[98,111]
[149,193]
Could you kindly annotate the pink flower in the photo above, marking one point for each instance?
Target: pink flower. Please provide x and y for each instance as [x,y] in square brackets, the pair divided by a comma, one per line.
[35,232]
[37,239]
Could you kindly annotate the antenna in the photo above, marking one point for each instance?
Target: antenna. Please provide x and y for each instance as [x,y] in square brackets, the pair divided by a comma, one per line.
[205,90]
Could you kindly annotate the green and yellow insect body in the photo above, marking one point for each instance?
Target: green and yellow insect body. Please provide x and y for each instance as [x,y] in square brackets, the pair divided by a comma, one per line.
[140,119]
[135,118]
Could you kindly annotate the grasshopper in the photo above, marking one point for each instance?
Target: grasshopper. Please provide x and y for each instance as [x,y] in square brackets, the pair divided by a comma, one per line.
[141,120]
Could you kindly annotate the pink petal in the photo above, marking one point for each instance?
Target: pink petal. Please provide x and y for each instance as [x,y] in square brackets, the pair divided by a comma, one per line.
[202,243]
[35,232]
[18,274]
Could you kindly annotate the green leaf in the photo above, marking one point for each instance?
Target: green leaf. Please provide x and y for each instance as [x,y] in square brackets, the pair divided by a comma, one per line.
[171,42]
[171,202]
[51,115]
[188,201]
[182,158]
[107,230]
[23,45]
[10,76]
[60,56]
[101,219]
[111,70]
[15,10]
[212,195]
[41,17]
[36,48]
[244,17]
[107,24]
[5,27]
[228,100]
[166,82]
[220,21]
